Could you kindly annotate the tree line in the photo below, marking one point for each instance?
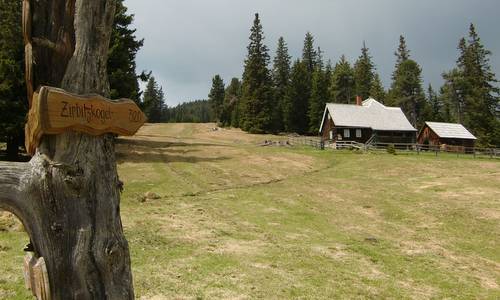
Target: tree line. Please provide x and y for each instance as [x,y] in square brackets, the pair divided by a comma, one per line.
[273,95]
[124,81]
[290,95]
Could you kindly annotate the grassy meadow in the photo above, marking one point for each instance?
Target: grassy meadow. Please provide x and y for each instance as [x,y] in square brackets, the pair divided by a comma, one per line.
[239,221]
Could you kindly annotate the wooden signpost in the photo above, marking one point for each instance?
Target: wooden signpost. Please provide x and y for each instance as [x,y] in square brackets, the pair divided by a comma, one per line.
[54,111]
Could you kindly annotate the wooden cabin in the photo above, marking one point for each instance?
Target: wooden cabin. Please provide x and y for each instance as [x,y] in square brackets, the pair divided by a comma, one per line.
[451,136]
[366,121]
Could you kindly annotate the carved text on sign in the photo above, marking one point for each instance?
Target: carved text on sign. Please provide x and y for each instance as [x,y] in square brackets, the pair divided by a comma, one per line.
[54,111]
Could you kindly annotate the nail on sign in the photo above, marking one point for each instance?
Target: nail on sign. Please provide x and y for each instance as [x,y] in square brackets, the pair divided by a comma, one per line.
[54,111]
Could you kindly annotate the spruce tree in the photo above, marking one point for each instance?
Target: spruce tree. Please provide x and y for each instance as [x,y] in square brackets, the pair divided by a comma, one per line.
[364,73]
[480,93]
[435,106]
[231,100]
[377,90]
[13,100]
[402,53]
[281,81]
[123,48]
[407,93]
[319,59]
[342,89]
[257,93]
[309,54]
[296,101]
[216,97]
[319,95]
[452,96]
[406,88]
[154,101]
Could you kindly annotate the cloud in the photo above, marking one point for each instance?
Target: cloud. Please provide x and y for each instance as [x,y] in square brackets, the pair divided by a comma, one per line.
[189,41]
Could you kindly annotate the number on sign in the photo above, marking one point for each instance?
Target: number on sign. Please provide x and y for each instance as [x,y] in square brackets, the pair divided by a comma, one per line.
[134,116]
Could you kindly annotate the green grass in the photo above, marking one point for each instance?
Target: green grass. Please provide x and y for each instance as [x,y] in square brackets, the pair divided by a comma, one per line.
[241,221]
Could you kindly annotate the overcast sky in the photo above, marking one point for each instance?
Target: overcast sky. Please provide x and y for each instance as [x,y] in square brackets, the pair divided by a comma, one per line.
[189,41]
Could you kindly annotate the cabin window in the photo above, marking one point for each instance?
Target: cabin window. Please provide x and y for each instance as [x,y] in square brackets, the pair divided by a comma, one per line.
[347,133]
[358,133]
[331,134]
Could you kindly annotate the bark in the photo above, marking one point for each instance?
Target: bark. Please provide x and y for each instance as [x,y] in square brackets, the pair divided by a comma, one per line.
[68,196]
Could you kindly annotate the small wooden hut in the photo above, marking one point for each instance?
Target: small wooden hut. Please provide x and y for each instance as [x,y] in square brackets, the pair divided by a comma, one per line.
[451,136]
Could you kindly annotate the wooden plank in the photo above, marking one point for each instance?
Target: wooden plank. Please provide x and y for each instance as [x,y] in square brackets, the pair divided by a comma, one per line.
[54,111]
[41,278]
[27,271]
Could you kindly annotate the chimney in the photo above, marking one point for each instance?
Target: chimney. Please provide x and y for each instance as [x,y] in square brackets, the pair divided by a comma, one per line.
[359,101]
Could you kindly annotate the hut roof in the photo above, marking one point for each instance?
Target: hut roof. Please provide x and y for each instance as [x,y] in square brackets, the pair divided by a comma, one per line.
[371,114]
[450,130]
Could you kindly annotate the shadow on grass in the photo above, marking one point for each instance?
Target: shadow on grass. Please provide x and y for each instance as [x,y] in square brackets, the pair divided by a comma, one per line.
[162,157]
[147,151]
[160,144]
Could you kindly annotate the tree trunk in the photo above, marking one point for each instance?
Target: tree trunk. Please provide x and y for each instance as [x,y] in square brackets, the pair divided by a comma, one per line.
[68,195]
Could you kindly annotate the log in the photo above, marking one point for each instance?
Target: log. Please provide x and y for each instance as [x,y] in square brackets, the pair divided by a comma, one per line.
[54,111]
[68,195]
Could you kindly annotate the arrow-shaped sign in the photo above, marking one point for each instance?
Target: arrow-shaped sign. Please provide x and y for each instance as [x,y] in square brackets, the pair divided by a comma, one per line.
[54,111]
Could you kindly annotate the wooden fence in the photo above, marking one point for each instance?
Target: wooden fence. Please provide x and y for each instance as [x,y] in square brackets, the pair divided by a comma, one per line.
[417,149]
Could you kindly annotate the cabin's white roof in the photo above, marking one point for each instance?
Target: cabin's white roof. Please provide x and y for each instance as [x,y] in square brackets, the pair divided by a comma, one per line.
[371,114]
[450,130]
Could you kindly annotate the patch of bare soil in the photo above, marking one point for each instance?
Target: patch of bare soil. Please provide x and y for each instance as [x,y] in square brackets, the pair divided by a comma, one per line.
[240,247]
[475,266]
[418,290]
[336,252]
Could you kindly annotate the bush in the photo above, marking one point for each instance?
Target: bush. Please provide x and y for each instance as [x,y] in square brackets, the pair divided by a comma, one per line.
[391,149]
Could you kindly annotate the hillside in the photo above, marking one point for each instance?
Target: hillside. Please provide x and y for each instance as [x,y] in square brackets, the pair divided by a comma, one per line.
[237,220]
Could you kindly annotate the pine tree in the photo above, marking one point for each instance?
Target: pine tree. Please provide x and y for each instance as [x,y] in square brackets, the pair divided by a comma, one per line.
[281,80]
[154,101]
[309,55]
[478,92]
[257,93]
[13,100]
[406,88]
[343,85]
[377,90]
[407,93]
[231,100]
[123,49]
[364,73]
[452,96]
[319,95]
[216,97]
[402,53]
[296,101]
[435,106]
[319,59]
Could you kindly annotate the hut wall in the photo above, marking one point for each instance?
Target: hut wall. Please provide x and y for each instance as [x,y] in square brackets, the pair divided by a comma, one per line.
[327,127]
[395,137]
[427,136]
